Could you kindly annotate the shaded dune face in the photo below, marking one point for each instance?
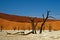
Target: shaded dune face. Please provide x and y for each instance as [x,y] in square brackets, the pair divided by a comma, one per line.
[9,22]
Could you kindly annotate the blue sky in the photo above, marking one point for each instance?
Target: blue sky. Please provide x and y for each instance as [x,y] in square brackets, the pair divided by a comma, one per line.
[33,8]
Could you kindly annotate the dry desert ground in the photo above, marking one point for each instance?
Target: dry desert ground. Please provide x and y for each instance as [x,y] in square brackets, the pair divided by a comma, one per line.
[46,35]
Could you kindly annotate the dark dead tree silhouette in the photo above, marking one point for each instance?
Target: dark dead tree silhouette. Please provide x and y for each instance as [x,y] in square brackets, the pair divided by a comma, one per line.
[43,16]
[43,28]
[44,22]
[34,24]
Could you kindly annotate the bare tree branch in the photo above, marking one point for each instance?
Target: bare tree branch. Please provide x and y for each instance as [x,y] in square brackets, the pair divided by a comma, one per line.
[33,25]
[43,16]
[52,17]
[44,21]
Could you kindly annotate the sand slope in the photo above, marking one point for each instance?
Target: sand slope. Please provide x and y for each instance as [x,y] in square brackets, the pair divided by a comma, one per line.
[8,22]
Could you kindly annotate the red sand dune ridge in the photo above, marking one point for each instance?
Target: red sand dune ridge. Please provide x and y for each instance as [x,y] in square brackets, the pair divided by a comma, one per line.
[22,22]
[19,18]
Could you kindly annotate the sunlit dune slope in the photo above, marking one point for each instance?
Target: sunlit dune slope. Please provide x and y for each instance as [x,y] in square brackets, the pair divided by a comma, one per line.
[9,22]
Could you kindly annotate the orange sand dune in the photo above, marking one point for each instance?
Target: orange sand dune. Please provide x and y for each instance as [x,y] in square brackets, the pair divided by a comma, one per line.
[8,22]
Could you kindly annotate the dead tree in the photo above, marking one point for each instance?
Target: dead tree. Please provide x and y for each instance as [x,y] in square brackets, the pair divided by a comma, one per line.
[34,24]
[43,28]
[43,16]
[44,22]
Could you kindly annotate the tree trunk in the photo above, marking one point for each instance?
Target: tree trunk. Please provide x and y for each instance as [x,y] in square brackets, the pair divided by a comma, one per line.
[44,22]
